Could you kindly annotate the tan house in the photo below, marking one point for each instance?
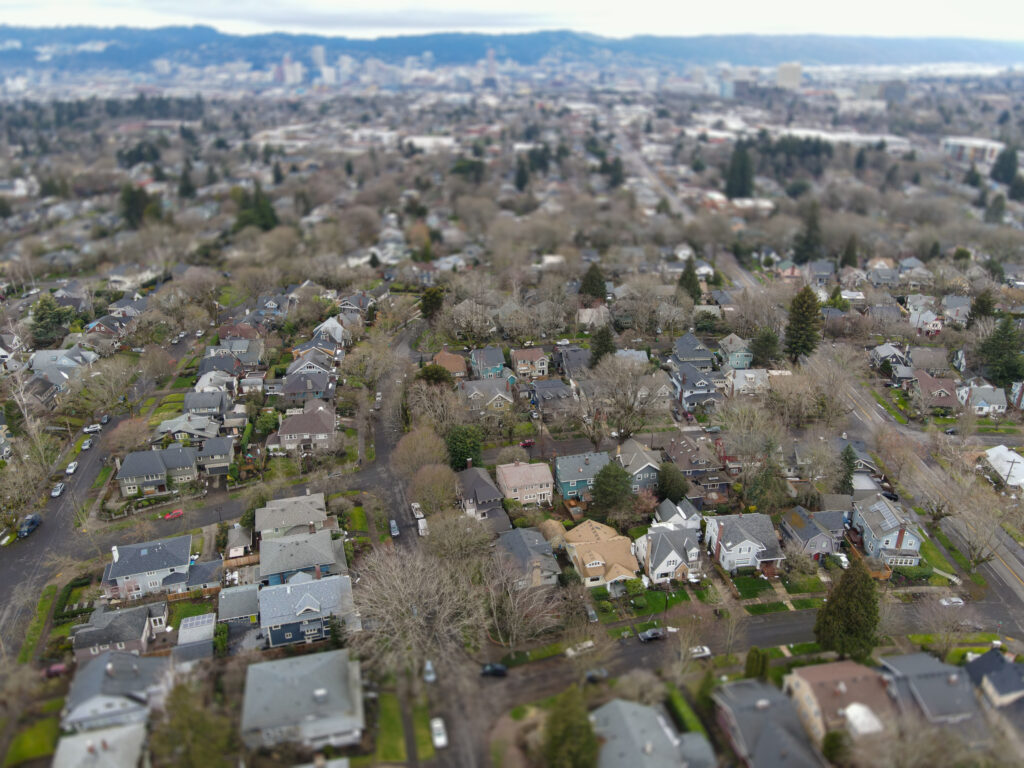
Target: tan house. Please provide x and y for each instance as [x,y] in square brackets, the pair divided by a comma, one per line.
[600,554]
[454,364]
[530,363]
[842,695]
[525,483]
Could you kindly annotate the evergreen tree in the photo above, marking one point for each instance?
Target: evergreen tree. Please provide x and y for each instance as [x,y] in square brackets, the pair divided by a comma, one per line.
[808,243]
[860,162]
[569,739]
[1005,166]
[1000,353]
[431,302]
[972,177]
[836,300]
[189,735]
[847,465]
[803,331]
[849,258]
[134,201]
[755,663]
[672,483]
[601,344]
[185,186]
[465,442]
[522,174]
[48,319]
[613,489]
[278,173]
[211,175]
[689,281]
[616,174]
[593,283]
[848,622]
[739,178]
[1016,191]
[984,305]
[996,210]
[764,346]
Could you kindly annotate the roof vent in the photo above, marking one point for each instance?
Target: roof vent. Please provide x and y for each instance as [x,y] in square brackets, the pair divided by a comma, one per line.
[841,688]
[954,678]
[110,668]
[762,704]
[648,748]
[320,695]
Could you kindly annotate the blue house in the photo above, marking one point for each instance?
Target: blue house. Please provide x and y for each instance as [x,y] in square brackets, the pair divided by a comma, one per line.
[735,352]
[487,363]
[313,553]
[575,474]
[300,610]
[642,464]
[885,531]
[693,387]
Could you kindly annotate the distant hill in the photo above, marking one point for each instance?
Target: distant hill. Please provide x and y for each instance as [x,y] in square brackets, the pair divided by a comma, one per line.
[77,48]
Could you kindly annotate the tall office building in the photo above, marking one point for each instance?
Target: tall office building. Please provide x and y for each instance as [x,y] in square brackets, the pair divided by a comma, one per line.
[789,75]
[319,56]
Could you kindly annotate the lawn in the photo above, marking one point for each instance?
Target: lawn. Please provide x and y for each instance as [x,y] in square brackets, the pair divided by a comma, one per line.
[798,585]
[282,467]
[761,608]
[658,601]
[707,594]
[751,586]
[957,655]
[959,556]
[183,382]
[683,713]
[35,629]
[61,630]
[421,725]
[637,532]
[51,706]
[174,397]
[933,557]
[802,649]
[648,625]
[183,608]
[522,657]
[899,417]
[149,403]
[101,478]
[804,603]
[357,519]
[77,449]
[37,741]
[390,735]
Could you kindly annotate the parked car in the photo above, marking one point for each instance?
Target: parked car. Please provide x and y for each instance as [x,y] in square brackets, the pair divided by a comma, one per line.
[700,652]
[951,601]
[526,443]
[29,524]
[576,650]
[438,733]
[379,397]
[534,415]
[92,429]
[494,670]
[199,333]
[58,489]
[950,430]
[592,614]
[713,430]
[417,510]
[649,635]
[421,527]
[891,496]
[429,673]
[71,468]
[87,444]
[842,559]
[55,670]
[105,419]
[394,528]
[596,675]
[562,343]
[174,514]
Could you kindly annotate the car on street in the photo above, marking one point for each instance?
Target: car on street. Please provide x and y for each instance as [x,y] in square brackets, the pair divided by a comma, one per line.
[950,430]
[87,444]
[417,510]
[379,396]
[199,333]
[890,496]
[394,528]
[562,343]
[494,670]
[700,652]
[92,429]
[951,601]
[526,443]
[592,614]
[713,430]
[649,635]
[29,524]
[174,514]
[105,419]
[58,489]
[72,468]
[596,675]
[429,673]
[576,650]
[438,733]
[30,292]
[534,415]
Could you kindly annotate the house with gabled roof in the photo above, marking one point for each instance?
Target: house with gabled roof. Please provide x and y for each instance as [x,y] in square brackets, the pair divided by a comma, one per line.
[735,352]
[531,554]
[486,363]
[152,473]
[982,398]
[841,696]
[481,499]
[123,629]
[600,554]
[575,474]
[814,533]
[300,610]
[486,395]
[885,531]
[641,463]
[153,567]
[454,364]
[525,483]
[689,349]
[530,363]
[637,736]
[283,556]
[292,515]
[744,541]
[193,429]
[117,688]
[669,552]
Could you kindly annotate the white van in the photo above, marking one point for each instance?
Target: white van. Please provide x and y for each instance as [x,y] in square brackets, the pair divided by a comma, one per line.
[421,524]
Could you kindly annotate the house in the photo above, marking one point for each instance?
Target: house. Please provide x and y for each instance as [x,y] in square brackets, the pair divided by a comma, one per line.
[188,429]
[887,353]
[292,515]
[454,364]
[885,531]
[239,605]
[359,302]
[1000,682]
[530,363]
[121,746]
[575,474]
[116,688]
[600,554]
[938,693]
[215,457]
[669,552]
[10,343]
[956,310]
[681,515]
[5,438]
[124,629]
[247,352]
[314,701]
[531,555]
[486,395]
[693,387]
[301,609]
[637,736]
[152,473]
[480,498]
[655,392]
[926,322]
[572,361]
[840,696]
[217,381]
[982,398]
[553,398]
[735,352]
[700,464]
[883,277]
[310,361]
[283,556]
[753,382]
[641,463]
[150,568]
[300,388]
[593,318]
[814,533]
[821,272]
[525,483]
[689,349]
[1007,464]
[487,363]
[763,727]
[334,329]
[128,277]
[60,365]
[311,430]
[936,395]
[743,541]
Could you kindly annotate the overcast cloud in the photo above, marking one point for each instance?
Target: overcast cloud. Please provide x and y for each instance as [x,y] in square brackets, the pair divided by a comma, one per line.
[990,19]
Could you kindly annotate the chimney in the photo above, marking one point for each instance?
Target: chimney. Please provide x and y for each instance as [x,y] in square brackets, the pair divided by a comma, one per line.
[469,462]
[517,462]
[113,551]
[648,748]
[586,460]
[954,678]
[103,745]
[317,574]
[319,761]
[840,688]
[312,527]
[90,747]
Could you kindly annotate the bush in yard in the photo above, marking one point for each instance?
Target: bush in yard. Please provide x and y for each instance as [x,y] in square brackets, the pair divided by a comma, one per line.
[220,641]
[640,602]
[634,587]
[600,593]
[569,740]
[605,606]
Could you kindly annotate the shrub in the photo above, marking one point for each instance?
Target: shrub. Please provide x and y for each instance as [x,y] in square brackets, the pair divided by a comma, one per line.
[640,602]
[605,606]
[600,593]
[634,587]
[60,612]
[220,640]
[914,572]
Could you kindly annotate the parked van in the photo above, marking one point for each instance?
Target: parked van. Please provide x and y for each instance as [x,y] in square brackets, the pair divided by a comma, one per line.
[421,524]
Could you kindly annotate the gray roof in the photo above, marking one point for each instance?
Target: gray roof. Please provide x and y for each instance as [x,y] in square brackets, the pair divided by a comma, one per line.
[140,464]
[201,401]
[302,597]
[756,527]
[292,511]
[238,602]
[527,546]
[132,559]
[204,573]
[768,728]
[939,691]
[194,629]
[476,484]
[122,747]
[882,515]
[580,466]
[487,357]
[118,626]
[551,389]
[634,457]
[116,673]
[689,347]
[177,456]
[205,426]
[285,692]
[637,736]
[215,446]
[296,553]
[663,541]
[666,511]
[310,381]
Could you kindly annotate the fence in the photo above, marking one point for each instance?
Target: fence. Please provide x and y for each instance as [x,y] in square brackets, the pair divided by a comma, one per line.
[207,592]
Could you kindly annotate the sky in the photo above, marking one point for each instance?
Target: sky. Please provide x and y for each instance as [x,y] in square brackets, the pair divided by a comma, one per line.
[986,19]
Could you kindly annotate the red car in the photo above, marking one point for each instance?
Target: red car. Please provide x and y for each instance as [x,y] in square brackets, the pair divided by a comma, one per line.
[526,444]
[55,670]
[175,514]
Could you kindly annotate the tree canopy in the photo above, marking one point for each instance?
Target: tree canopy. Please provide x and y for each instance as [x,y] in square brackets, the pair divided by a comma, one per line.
[435,374]
[431,302]
[672,483]
[848,464]
[465,442]
[569,739]
[593,282]
[803,331]
[764,346]
[1004,169]
[739,178]
[601,345]
[689,281]
[48,318]
[807,245]
[1001,353]
[848,622]
[612,489]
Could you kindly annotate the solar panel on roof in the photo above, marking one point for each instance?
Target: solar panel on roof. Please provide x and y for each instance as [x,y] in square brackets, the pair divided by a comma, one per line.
[192,622]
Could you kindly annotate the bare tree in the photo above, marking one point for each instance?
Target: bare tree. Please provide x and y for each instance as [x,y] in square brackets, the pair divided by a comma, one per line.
[434,486]
[437,406]
[618,389]
[690,633]
[909,742]
[511,454]
[640,685]
[588,413]
[978,542]
[729,630]
[417,449]
[156,362]
[458,538]
[129,435]
[947,625]
[518,610]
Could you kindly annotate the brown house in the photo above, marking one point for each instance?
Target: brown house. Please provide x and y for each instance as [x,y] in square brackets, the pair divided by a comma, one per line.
[454,364]
[840,696]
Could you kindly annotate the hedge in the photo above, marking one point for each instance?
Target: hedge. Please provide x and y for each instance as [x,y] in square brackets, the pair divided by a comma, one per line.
[246,435]
[60,614]
[914,572]
[683,713]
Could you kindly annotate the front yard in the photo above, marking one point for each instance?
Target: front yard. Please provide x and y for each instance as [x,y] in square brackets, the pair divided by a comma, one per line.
[37,741]
[800,584]
[751,586]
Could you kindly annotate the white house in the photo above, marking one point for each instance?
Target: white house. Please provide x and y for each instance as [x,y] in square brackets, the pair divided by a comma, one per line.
[743,541]
[982,398]
[670,549]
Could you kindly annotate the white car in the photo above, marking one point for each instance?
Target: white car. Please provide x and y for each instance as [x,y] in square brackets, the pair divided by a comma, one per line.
[87,444]
[72,468]
[58,489]
[438,733]
[92,429]
[951,601]
[417,510]
[429,673]
[700,652]
[562,343]
[199,333]
[379,397]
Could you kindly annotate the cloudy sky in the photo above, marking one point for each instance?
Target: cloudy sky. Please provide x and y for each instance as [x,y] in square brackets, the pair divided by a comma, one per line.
[991,19]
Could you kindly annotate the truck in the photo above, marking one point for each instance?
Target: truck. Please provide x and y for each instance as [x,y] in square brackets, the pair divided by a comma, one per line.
[417,510]
[421,525]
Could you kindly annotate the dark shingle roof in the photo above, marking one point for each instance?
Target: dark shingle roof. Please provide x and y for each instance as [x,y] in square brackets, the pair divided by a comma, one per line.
[132,559]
